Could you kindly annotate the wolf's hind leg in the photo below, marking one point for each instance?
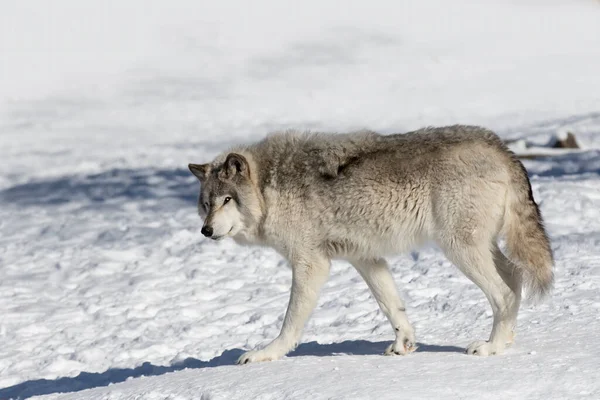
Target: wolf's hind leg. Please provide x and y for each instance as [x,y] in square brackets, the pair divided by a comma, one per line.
[491,272]
[309,275]
[379,279]
[513,278]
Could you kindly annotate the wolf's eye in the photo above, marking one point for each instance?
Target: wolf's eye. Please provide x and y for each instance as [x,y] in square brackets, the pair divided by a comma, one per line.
[227,199]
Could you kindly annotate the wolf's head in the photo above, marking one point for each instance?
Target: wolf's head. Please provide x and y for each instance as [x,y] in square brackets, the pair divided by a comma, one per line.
[229,201]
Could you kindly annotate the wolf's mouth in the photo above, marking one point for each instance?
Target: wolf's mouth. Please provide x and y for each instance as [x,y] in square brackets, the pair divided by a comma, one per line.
[222,236]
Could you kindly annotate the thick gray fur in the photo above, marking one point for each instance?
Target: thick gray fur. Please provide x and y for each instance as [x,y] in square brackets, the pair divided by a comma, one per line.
[361,196]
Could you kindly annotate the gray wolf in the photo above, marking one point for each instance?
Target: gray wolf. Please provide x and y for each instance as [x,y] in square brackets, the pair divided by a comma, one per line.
[314,197]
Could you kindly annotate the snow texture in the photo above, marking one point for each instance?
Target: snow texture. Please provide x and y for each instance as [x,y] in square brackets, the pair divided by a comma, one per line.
[105,281]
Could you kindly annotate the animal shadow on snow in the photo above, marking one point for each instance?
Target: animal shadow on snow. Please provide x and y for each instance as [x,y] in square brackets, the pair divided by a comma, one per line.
[88,380]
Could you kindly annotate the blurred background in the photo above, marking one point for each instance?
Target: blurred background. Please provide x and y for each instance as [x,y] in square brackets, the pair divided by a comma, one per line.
[106,75]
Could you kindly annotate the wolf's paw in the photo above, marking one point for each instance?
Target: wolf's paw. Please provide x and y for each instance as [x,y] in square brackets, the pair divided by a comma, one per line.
[483,348]
[511,338]
[401,347]
[257,356]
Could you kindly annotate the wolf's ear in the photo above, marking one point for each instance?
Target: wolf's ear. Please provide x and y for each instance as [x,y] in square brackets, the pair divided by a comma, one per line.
[236,164]
[199,170]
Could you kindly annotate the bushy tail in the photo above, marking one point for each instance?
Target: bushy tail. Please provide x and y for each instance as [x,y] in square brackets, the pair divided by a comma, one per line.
[526,239]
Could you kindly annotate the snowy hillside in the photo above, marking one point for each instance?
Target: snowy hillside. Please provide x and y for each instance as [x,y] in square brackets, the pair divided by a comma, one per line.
[105,277]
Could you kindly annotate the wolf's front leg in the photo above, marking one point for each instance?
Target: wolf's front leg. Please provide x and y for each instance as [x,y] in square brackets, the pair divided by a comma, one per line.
[309,275]
[379,279]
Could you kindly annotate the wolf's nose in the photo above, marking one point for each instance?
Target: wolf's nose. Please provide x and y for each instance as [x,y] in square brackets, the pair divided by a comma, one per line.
[207,231]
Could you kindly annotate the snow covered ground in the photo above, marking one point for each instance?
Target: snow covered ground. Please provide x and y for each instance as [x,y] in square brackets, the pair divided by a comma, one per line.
[104,276]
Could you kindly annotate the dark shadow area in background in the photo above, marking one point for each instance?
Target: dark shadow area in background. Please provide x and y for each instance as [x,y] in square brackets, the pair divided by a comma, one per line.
[570,164]
[131,184]
[87,380]
[180,185]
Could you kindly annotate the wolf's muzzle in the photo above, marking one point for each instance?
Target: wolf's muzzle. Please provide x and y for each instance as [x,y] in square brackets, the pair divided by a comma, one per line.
[207,231]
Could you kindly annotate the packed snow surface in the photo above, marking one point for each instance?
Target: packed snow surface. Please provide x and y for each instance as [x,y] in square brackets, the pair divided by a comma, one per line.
[107,284]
